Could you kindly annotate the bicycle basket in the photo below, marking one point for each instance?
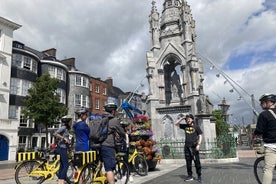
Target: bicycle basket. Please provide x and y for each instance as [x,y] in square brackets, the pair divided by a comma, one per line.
[28,156]
[82,158]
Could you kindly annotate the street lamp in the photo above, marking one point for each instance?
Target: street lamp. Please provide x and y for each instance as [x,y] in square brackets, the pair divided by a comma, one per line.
[224,109]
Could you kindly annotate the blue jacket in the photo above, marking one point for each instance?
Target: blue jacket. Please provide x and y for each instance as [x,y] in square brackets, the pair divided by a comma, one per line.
[82,136]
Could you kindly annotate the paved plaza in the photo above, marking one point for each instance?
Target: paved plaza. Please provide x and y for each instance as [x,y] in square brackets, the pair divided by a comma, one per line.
[228,171]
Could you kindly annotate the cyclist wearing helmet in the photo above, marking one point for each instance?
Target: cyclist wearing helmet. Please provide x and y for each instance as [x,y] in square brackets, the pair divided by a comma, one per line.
[108,146]
[82,131]
[63,136]
[266,126]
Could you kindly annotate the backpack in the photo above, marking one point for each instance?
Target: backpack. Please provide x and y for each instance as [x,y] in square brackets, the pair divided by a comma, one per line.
[99,130]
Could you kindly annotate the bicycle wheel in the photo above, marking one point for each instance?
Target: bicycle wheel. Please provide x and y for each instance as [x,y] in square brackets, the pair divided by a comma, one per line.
[70,173]
[121,172]
[259,169]
[24,169]
[140,165]
[87,174]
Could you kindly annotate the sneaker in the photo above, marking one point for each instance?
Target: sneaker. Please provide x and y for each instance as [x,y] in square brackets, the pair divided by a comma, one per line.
[189,178]
[199,179]
[123,180]
[130,179]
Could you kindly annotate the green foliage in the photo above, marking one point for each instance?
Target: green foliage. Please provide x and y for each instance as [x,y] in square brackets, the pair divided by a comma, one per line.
[42,102]
[222,127]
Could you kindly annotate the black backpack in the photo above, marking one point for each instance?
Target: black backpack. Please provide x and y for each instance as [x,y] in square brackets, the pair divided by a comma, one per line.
[99,130]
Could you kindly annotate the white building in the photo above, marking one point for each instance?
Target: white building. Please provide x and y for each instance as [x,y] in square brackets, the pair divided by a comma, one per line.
[8,127]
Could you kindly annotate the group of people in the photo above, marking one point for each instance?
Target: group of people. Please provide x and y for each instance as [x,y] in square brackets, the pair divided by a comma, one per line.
[82,130]
[266,127]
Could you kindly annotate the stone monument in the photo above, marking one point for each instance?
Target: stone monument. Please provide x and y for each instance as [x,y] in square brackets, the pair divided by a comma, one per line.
[175,73]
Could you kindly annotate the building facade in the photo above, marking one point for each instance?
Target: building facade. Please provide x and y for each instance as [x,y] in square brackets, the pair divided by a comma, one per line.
[99,95]
[8,127]
[20,66]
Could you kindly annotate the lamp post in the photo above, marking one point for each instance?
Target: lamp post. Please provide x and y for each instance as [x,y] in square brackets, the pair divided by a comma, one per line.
[224,109]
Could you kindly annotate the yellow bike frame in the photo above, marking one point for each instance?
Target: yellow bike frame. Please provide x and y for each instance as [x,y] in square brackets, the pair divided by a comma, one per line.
[48,172]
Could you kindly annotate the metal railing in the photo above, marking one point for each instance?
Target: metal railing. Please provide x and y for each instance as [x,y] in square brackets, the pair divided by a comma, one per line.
[174,149]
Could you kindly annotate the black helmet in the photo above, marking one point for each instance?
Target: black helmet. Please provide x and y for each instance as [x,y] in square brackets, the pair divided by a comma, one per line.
[268,97]
[66,119]
[110,107]
[81,111]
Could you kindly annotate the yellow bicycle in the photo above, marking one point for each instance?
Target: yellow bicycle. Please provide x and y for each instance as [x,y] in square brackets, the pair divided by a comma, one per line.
[37,167]
[138,162]
[90,169]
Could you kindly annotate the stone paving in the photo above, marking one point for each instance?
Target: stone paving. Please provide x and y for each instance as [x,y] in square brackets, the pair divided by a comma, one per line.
[236,171]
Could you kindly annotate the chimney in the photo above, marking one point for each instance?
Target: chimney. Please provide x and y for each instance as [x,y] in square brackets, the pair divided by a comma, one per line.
[109,81]
[70,62]
[50,52]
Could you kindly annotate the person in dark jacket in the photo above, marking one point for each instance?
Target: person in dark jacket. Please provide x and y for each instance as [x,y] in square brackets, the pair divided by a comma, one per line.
[193,139]
[266,127]
[63,136]
[108,149]
[82,131]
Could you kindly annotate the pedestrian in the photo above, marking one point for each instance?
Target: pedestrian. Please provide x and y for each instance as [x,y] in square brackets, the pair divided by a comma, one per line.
[266,127]
[108,149]
[193,139]
[63,136]
[82,131]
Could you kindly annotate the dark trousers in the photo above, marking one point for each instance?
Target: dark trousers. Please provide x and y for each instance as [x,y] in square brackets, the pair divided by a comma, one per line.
[62,173]
[190,155]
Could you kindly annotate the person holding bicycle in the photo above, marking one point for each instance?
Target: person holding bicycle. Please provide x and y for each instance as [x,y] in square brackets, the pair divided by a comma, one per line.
[266,127]
[82,130]
[193,138]
[63,136]
[108,149]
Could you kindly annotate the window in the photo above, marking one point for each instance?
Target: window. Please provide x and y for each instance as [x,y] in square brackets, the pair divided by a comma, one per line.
[84,104]
[97,104]
[61,93]
[15,85]
[78,80]
[81,81]
[13,111]
[24,62]
[81,100]
[104,91]
[78,100]
[57,73]
[34,142]
[22,142]
[34,66]
[97,88]
[43,142]
[84,83]
[22,139]
[17,60]
[23,121]
[25,86]
[51,71]
[27,63]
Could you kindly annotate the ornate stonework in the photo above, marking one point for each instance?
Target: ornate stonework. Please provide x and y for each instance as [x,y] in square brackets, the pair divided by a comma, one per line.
[175,74]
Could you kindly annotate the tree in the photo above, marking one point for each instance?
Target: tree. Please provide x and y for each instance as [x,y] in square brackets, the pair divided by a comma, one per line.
[222,127]
[42,103]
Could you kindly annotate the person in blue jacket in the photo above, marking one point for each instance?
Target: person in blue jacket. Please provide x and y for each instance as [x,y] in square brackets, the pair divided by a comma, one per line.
[82,131]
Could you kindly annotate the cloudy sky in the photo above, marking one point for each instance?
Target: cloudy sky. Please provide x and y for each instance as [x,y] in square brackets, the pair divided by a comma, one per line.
[111,37]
